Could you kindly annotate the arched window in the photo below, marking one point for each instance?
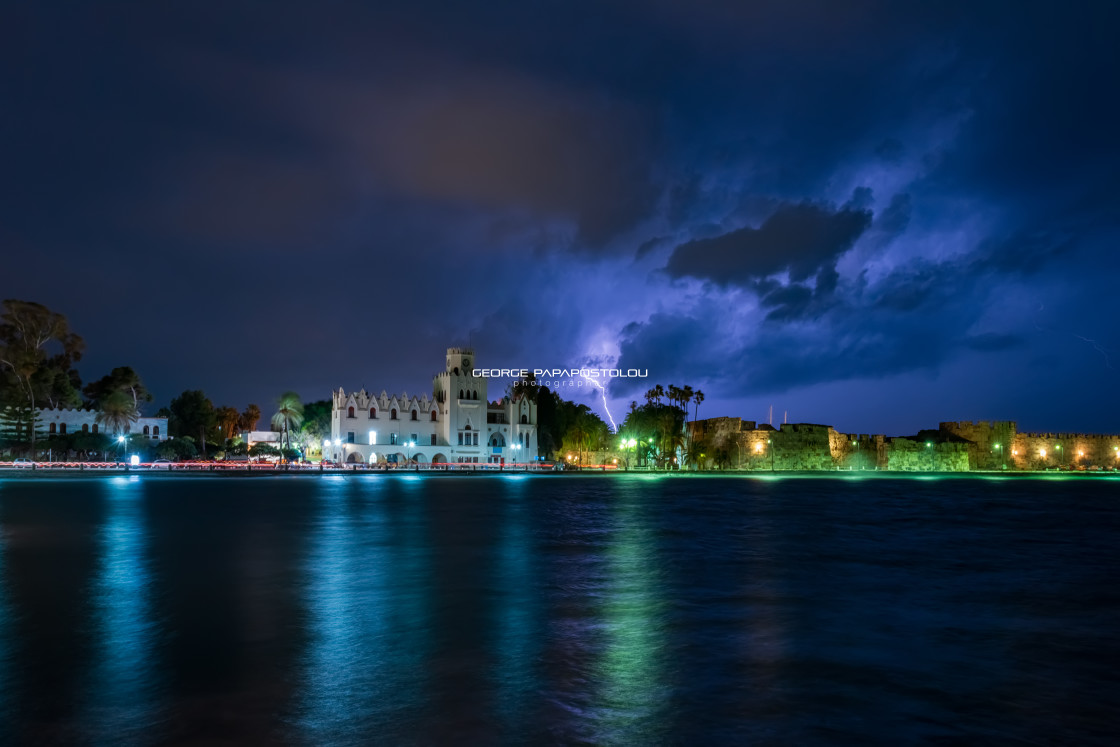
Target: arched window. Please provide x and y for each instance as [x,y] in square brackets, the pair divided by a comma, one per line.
[433,416]
[95,427]
[414,415]
[349,412]
[461,394]
[455,370]
[85,428]
[497,440]
[146,430]
[62,428]
[393,414]
[372,413]
[474,394]
[155,431]
[51,428]
[468,427]
[524,419]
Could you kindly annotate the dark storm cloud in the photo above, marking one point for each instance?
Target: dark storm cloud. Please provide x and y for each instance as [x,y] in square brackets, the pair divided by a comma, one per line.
[912,320]
[799,239]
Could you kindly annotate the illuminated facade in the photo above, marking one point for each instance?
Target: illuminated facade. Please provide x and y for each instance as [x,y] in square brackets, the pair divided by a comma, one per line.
[456,424]
[63,422]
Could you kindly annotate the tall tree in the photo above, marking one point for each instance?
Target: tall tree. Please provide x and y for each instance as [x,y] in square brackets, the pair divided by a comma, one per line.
[527,387]
[226,419]
[250,416]
[288,415]
[120,379]
[37,352]
[316,423]
[192,414]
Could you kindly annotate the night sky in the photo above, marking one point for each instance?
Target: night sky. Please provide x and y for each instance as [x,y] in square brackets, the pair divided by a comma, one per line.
[875,215]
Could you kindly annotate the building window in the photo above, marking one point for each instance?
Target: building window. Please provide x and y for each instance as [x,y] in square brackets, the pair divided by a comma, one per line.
[474,394]
[524,419]
[461,394]
[350,437]
[51,429]
[85,428]
[414,439]
[62,428]
[393,414]
[475,440]
[392,439]
[460,439]
[155,431]
[414,415]
[349,412]
[95,427]
[372,413]
[433,416]
[147,430]
[467,427]
[433,439]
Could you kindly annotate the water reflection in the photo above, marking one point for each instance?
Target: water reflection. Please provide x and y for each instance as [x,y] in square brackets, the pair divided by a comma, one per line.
[123,682]
[6,625]
[632,691]
[364,588]
[517,613]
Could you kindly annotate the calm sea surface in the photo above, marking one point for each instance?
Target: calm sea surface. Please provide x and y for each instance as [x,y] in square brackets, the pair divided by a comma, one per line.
[631,610]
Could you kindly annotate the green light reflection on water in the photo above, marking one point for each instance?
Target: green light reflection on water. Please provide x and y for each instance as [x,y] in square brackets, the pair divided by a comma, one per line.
[632,692]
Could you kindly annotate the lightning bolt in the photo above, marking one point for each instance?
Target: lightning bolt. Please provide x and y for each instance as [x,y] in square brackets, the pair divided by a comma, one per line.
[1098,347]
[603,391]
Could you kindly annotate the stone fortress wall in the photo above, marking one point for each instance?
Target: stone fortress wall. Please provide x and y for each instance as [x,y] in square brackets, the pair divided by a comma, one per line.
[998,443]
[952,447]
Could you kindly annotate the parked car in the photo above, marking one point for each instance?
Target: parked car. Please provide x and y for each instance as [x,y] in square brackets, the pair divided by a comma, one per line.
[160,464]
[23,463]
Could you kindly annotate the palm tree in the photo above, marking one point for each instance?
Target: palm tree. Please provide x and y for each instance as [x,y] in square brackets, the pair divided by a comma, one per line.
[288,415]
[249,418]
[227,418]
[686,397]
[698,397]
[118,411]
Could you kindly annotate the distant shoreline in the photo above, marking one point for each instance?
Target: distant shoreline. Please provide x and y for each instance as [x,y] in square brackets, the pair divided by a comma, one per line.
[7,474]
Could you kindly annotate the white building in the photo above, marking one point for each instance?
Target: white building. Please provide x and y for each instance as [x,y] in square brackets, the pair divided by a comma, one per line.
[457,424]
[62,421]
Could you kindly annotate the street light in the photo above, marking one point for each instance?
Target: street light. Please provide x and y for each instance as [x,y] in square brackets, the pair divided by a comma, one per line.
[120,440]
[1000,447]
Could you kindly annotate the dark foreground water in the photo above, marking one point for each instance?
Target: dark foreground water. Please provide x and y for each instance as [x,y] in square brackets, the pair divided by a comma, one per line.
[510,609]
